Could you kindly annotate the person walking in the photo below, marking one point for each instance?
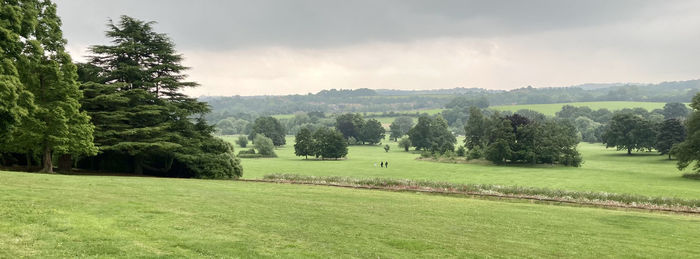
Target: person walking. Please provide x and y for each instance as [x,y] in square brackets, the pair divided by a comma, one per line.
[386,164]
[382,164]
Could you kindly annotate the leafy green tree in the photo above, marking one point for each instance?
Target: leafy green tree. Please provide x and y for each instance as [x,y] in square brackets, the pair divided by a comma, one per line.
[264,146]
[476,129]
[461,151]
[671,132]
[386,148]
[630,132]
[226,127]
[330,143]
[405,143]
[304,145]
[675,111]
[242,141]
[372,132]
[18,21]
[144,123]
[271,128]
[500,137]
[56,127]
[420,135]
[688,151]
[350,124]
[400,127]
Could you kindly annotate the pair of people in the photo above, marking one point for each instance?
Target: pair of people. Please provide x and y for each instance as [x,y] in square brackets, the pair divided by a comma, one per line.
[385,164]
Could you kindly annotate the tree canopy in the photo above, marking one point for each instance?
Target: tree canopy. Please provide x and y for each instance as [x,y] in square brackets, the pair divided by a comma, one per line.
[630,132]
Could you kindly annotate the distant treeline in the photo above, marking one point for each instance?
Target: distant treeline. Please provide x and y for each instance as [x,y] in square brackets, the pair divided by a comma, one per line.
[367,100]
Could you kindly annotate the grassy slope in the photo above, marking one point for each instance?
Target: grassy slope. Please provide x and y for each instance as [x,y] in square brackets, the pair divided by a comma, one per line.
[551,109]
[603,170]
[81,216]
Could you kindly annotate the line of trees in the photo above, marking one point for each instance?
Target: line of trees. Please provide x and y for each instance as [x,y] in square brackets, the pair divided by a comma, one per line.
[323,143]
[518,139]
[355,129]
[122,111]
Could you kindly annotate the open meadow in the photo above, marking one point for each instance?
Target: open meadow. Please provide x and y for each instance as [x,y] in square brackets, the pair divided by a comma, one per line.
[607,170]
[108,216]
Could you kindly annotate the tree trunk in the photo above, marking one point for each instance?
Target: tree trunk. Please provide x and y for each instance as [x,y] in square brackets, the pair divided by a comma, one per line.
[47,163]
[138,165]
[669,155]
[629,151]
[29,161]
[65,163]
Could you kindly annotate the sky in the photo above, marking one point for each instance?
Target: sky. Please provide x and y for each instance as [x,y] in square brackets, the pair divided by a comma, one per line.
[284,47]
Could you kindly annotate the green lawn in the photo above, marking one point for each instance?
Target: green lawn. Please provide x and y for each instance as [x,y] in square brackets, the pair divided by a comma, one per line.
[606,170]
[104,216]
[552,109]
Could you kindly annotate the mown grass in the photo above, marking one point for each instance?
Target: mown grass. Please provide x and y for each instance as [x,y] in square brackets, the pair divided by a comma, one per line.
[103,216]
[604,170]
[597,198]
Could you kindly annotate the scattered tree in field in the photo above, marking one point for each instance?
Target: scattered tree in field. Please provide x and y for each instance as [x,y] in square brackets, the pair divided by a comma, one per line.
[400,127]
[349,125]
[386,148]
[630,132]
[264,146]
[304,145]
[372,132]
[405,143]
[144,124]
[271,128]
[432,134]
[688,151]
[675,111]
[242,141]
[55,126]
[330,143]
[671,132]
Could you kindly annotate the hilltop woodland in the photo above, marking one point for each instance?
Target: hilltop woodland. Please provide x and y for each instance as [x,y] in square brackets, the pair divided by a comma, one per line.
[120,112]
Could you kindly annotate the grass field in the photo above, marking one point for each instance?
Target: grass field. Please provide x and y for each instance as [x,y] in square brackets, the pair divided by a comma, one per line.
[608,170]
[105,216]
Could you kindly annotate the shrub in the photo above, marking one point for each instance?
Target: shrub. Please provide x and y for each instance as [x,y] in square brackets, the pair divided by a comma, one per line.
[387,147]
[242,141]
[461,151]
[264,146]
[475,153]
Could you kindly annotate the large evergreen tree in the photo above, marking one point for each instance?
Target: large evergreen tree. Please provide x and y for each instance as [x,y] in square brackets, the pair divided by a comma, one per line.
[145,124]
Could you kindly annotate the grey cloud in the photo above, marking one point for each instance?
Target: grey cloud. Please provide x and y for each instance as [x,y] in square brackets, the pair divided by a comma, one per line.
[312,24]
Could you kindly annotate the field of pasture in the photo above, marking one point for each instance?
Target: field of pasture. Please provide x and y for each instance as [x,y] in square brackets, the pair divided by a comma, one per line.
[606,170]
[109,216]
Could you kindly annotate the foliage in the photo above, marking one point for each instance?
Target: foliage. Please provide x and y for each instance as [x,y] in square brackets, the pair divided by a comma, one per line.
[675,111]
[386,148]
[144,124]
[264,146]
[431,133]
[372,132]
[688,151]
[475,130]
[271,128]
[630,132]
[405,143]
[349,124]
[670,133]
[461,151]
[304,144]
[400,127]
[54,125]
[242,141]
[329,143]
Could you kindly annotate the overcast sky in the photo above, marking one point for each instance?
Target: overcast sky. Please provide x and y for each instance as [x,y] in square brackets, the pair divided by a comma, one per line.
[288,47]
